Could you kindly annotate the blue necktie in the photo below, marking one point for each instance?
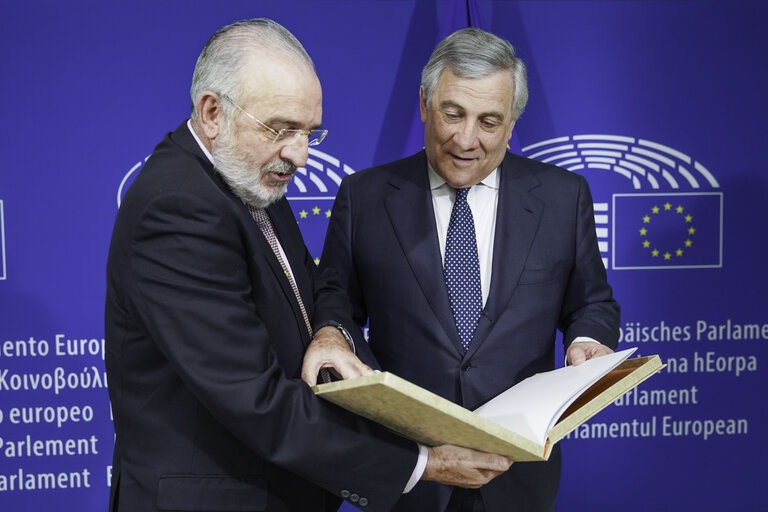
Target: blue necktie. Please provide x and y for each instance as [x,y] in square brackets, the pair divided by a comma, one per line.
[462,269]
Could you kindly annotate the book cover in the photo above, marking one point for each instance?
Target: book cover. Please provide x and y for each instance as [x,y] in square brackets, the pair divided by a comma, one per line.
[562,400]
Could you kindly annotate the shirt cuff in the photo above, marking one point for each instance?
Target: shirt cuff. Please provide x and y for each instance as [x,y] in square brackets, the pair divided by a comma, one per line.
[581,339]
[418,471]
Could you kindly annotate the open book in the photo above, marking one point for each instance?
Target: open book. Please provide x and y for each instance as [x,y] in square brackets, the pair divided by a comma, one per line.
[523,422]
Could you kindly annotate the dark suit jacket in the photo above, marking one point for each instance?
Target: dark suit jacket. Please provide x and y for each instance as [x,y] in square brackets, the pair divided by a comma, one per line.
[547,274]
[205,342]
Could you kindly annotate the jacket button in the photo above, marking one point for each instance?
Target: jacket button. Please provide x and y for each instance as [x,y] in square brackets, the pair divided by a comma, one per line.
[345,494]
[466,367]
[354,498]
[363,502]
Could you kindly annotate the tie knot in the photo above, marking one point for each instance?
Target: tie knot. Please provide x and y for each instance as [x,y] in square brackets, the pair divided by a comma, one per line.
[461,194]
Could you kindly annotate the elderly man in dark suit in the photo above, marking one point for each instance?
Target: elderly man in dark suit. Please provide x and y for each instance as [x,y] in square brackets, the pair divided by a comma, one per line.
[466,259]
[213,299]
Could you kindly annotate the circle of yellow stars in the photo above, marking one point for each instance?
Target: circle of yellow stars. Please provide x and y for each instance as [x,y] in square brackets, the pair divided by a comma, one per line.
[689,231]
[303,214]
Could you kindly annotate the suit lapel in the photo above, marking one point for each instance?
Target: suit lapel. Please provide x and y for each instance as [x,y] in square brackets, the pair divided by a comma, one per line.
[409,207]
[279,213]
[517,219]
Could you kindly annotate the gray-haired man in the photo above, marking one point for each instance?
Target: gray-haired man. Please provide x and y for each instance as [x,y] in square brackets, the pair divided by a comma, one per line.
[466,259]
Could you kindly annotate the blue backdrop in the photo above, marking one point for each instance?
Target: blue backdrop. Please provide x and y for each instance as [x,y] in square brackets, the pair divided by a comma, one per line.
[659,104]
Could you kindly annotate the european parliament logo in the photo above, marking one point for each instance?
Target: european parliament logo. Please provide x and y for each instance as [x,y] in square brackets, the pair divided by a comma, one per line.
[311,194]
[2,242]
[671,219]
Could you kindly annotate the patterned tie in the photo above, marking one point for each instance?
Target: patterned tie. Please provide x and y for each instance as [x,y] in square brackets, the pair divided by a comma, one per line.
[462,269]
[265,224]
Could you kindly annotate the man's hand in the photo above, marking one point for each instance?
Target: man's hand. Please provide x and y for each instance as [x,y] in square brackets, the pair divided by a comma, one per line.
[330,350]
[579,352]
[454,465]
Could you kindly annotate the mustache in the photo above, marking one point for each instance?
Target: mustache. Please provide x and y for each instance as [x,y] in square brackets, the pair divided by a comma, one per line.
[278,167]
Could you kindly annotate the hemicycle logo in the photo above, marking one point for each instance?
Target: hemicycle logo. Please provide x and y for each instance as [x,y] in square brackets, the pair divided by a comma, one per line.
[311,194]
[672,216]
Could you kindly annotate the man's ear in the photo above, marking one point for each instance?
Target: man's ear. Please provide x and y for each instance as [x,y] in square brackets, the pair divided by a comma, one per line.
[210,114]
[422,104]
[509,134]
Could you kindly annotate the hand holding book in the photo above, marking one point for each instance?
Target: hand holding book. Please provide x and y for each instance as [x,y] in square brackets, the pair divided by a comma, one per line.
[453,465]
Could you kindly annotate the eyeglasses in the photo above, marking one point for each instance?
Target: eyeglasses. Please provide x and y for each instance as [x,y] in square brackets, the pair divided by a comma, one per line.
[314,137]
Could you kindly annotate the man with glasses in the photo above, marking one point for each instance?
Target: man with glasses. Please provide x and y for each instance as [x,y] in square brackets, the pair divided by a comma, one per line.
[213,299]
[466,259]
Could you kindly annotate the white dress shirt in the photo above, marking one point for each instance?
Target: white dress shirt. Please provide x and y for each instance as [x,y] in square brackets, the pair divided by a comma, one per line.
[483,200]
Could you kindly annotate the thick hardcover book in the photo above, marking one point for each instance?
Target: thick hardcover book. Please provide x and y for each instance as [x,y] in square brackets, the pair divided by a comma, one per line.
[523,422]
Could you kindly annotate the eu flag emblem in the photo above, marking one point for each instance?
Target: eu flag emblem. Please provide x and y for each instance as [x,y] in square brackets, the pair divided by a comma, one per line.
[312,215]
[655,231]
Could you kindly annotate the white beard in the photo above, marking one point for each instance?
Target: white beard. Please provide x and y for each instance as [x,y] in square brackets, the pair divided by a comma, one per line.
[243,177]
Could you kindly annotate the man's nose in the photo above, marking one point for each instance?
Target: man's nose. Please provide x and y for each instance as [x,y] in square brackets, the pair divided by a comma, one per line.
[296,151]
[466,135]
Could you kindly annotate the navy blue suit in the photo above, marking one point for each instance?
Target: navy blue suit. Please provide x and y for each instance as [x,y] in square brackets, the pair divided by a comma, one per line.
[205,342]
[547,275]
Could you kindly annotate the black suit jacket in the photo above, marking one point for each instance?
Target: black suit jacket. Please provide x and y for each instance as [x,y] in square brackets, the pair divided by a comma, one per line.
[205,342]
[547,274]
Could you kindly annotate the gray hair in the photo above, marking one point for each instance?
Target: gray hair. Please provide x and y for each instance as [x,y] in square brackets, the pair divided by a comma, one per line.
[474,53]
[220,64]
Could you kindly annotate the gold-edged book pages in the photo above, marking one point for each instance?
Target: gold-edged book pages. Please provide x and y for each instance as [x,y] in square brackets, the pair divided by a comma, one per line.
[420,415]
[604,392]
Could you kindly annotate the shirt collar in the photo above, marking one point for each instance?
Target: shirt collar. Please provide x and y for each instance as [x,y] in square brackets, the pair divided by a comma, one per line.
[435,181]
[199,142]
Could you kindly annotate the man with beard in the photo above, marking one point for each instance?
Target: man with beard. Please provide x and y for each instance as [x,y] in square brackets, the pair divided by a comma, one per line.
[212,300]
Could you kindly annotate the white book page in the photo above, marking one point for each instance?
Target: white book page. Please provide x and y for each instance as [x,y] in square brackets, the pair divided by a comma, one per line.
[531,407]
